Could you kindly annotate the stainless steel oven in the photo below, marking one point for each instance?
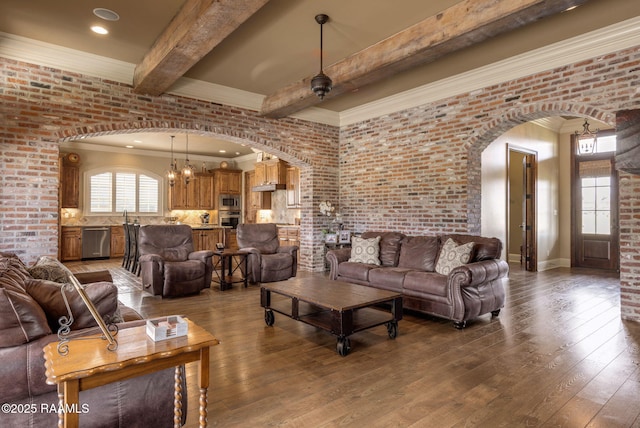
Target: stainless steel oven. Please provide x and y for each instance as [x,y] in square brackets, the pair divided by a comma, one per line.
[229,202]
[229,218]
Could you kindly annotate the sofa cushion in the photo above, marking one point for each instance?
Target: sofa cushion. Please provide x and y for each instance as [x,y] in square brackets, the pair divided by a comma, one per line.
[389,246]
[50,269]
[484,249]
[388,278]
[103,295]
[425,284]
[365,250]
[419,252]
[354,271]
[453,255]
[21,319]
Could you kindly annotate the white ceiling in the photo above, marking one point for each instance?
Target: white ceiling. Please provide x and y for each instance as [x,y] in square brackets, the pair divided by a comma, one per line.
[280,44]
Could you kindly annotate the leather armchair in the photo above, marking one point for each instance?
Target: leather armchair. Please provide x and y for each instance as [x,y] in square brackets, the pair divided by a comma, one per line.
[267,260]
[169,266]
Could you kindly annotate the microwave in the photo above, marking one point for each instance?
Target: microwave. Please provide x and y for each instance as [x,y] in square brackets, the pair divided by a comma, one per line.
[229,202]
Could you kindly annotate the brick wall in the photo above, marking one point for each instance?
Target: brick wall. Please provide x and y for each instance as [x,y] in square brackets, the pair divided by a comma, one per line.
[40,107]
[418,171]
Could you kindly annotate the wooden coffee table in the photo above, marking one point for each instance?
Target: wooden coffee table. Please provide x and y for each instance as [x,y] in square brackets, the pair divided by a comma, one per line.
[338,307]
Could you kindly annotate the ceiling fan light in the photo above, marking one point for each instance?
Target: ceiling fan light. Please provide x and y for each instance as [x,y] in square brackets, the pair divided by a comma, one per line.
[321,85]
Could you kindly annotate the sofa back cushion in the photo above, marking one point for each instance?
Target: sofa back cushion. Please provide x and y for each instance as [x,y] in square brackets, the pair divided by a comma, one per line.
[48,294]
[485,248]
[389,246]
[21,319]
[419,252]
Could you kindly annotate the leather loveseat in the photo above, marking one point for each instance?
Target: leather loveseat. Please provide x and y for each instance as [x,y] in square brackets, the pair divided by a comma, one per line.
[29,309]
[408,265]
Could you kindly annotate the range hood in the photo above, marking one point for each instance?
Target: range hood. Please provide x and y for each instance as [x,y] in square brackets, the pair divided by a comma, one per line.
[268,187]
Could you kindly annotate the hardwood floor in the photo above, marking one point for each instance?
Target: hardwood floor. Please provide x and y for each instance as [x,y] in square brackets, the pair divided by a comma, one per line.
[558,355]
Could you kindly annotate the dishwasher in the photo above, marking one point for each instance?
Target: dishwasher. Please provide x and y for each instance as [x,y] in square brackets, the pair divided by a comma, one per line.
[96,242]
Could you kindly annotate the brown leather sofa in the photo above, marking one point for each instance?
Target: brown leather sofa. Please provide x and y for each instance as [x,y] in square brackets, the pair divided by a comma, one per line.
[267,260]
[29,308]
[408,266]
[168,265]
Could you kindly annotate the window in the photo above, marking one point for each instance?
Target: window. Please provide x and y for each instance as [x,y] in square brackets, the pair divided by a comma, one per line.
[113,191]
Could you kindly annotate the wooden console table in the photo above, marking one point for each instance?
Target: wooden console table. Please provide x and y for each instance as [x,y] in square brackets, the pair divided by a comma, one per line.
[89,364]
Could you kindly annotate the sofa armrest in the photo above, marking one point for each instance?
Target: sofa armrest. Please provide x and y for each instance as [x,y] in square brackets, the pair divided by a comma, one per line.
[473,274]
[335,257]
[97,276]
[201,255]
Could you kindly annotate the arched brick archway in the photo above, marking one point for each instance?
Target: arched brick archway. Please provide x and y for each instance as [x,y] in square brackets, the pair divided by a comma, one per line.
[497,126]
[311,245]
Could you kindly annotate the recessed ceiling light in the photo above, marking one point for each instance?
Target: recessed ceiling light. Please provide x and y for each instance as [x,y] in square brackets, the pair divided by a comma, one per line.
[223,151]
[99,30]
[237,153]
[137,141]
[129,147]
[106,14]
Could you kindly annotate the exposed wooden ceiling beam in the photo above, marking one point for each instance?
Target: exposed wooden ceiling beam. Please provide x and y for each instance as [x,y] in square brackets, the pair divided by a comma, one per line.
[198,27]
[460,26]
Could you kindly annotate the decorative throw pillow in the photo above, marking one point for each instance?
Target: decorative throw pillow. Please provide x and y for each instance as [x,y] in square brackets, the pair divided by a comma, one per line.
[103,295]
[21,320]
[50,269]
[453,255]
[365,250]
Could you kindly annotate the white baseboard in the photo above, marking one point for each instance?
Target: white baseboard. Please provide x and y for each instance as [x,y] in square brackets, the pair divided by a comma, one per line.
[552,264]
[514,258]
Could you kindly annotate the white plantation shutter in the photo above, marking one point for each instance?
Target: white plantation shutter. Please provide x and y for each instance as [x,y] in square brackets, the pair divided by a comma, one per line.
[148,191]
[100,193]
[112,192]
[125,192]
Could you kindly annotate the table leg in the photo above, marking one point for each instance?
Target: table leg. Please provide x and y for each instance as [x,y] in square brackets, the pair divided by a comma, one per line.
[223,278]
[69,396]
[177,398]
[246,270]
[204,384]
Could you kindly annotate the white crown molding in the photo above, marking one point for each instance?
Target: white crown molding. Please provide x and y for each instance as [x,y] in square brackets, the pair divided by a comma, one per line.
[603,41]
[54,56]
[600,42]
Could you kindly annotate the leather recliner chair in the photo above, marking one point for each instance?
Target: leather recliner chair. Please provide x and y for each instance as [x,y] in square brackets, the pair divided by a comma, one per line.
[169,266]
[267,260]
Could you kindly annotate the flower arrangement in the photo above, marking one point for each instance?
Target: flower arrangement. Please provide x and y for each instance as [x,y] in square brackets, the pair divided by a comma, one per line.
[326,208]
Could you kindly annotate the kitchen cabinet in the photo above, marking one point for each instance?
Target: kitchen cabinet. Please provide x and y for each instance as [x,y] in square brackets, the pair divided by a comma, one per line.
[183,196]
[206,239]
[206,193]
[197,195]
[293,187]
[231,238]
[289,235]
[272,171]
[117,241]
[71,243]
[256,200]
[69,182]
[228,181]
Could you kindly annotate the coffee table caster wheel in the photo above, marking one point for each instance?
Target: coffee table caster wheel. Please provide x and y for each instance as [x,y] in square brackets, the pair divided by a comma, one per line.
[343,347]
[392,329]
[269,318]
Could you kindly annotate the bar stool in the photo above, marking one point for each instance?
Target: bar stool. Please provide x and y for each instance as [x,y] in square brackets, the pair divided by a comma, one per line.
[126,257]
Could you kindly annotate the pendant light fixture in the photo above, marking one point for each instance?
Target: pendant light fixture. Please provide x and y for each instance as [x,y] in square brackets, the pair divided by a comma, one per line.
[321,83]
[188,172]
[586,140]
[171,173]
